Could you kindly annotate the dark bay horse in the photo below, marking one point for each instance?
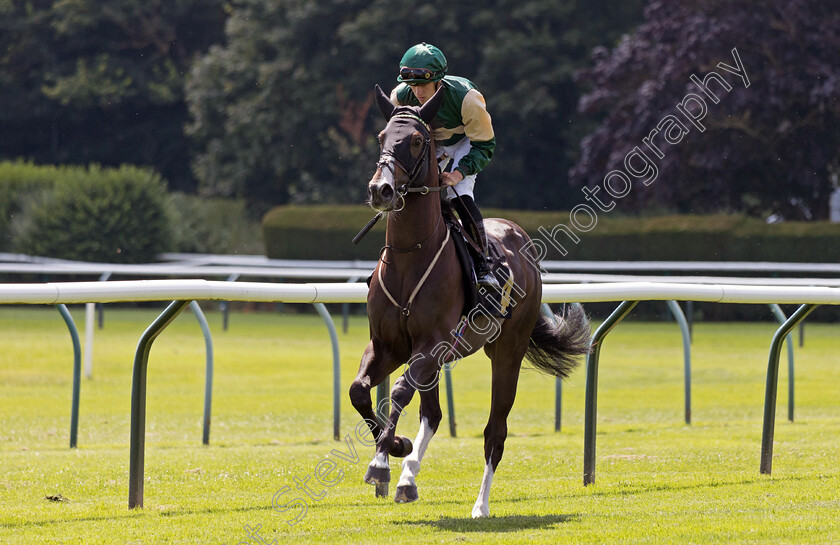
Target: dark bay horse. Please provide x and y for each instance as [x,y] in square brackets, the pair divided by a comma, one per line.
[416,299]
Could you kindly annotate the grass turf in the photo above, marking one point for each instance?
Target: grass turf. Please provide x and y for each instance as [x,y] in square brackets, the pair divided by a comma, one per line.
[658,480]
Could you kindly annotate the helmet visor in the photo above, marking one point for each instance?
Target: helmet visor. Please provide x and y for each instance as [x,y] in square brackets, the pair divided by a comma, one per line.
[418,75]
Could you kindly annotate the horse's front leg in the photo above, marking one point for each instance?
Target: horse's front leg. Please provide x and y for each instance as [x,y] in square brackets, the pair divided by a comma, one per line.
[375,366]
[421,374]
[430,417]
[388,443]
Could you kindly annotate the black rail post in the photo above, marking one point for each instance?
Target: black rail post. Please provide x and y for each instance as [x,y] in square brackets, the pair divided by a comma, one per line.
[138,401]
[591,418]
[773,382]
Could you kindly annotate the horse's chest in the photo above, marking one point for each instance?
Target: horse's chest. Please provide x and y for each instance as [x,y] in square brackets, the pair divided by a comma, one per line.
[391,328]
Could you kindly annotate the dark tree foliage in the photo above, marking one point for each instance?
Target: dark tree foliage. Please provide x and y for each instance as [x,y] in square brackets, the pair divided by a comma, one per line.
[84,81]
[283,111]
[270,115]
[771,148]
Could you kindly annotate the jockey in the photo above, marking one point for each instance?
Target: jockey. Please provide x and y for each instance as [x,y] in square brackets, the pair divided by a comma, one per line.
[463,135]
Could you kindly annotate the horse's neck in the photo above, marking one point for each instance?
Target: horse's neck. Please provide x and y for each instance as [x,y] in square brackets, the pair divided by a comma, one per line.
[416,223]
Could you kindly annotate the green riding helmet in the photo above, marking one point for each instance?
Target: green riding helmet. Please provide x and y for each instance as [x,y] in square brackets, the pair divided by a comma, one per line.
[422,63]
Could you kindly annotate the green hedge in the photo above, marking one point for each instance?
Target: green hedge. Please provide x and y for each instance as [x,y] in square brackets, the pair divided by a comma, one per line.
[21,184]
[93,214]
[214,225]
[320,232]
[325,232]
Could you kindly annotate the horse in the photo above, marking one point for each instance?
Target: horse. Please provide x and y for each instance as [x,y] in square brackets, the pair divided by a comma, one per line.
[415,303]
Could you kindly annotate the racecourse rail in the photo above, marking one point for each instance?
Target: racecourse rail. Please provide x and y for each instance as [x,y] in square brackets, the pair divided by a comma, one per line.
[182,293]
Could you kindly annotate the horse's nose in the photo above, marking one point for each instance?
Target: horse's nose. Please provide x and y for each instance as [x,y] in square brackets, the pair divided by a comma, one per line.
[386,192]
[381,193]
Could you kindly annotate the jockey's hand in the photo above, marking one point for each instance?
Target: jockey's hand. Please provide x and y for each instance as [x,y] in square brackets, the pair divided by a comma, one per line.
[451,178]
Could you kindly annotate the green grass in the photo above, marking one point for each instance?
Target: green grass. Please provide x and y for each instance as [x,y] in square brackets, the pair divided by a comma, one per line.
[658,480]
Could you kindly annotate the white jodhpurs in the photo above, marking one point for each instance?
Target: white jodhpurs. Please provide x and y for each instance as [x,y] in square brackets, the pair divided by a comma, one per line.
[455,153]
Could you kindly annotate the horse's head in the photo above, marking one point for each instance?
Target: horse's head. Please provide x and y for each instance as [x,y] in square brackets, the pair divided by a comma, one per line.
[405,145]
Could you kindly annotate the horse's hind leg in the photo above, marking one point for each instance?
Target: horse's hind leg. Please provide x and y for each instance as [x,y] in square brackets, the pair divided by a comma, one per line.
[430,417]
[506,363]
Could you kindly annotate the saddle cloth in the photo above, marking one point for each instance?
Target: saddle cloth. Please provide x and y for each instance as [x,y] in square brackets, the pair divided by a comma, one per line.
[497,303]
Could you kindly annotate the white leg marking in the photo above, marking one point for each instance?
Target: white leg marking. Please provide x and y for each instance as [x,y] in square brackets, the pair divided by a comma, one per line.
[380,461]
[482,504]
[411,463]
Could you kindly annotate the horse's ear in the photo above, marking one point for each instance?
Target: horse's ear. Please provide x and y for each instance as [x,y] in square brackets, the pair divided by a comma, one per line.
[384,103]
[431,107]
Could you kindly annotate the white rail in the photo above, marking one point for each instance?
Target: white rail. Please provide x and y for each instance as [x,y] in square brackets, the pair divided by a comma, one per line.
[52,293]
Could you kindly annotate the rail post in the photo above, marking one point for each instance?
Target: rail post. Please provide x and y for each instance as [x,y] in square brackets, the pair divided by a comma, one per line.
[686,338]
[772,385]
[208,370]
[325,314]
[450,400]
[780,315]
[591,418]
[138,401]
[77,373]
[224,306]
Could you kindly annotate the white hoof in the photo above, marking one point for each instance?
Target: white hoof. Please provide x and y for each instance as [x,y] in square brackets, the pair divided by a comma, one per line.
[480,511]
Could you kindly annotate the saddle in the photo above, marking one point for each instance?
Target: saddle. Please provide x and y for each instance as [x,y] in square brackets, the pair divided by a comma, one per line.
[497,303]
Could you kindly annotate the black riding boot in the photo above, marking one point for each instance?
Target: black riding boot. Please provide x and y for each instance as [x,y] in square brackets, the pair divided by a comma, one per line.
[467,210]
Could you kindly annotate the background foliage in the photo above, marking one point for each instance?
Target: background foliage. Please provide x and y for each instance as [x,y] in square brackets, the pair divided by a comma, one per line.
[20,184]
[270,100]
[770,148]
[282,112]
[90,81]
[95,214]
[324,232]
[120,215]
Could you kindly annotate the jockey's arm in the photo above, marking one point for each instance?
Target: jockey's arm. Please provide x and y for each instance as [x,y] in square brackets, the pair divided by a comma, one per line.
[478,127]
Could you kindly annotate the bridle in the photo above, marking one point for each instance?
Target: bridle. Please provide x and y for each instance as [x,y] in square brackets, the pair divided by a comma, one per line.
[388,159]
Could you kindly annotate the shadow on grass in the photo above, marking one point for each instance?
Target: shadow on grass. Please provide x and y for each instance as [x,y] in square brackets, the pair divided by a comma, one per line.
[632,490]
[137,513]
[510,523]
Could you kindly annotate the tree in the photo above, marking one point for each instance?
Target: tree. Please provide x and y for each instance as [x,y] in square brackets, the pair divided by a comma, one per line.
[263,104]
[771,147]
[283,111]
[87,81]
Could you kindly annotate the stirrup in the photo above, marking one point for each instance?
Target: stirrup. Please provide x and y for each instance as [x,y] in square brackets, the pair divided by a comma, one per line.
[486,279]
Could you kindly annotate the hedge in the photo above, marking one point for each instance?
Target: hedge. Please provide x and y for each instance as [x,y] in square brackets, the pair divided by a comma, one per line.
[21,184]
[320,232]
[101,214]
[325,232]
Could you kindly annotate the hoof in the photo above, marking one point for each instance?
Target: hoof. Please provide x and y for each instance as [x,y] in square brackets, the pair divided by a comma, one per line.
[378,475]
[406,494]
[402,447]
[480,512]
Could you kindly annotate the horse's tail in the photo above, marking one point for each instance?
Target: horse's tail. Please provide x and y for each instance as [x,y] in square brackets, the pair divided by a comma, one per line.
[556,343]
